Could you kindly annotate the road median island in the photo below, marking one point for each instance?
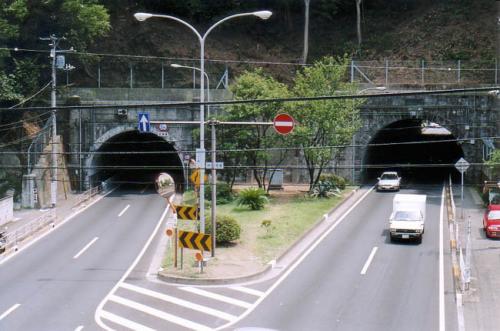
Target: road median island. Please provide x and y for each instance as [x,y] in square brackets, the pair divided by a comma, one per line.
[266,235]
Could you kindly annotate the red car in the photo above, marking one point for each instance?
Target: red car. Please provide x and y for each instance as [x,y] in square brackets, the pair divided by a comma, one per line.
[491,221]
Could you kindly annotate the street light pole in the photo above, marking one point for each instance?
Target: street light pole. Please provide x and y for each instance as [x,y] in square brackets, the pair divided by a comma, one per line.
[144,16]
[175,65]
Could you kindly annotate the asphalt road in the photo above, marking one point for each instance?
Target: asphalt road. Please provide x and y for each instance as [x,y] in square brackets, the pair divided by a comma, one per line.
[356,279]
[57,283]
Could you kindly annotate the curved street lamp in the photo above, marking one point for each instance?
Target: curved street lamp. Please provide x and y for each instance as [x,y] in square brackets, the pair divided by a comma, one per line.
[262,14]
[175,65]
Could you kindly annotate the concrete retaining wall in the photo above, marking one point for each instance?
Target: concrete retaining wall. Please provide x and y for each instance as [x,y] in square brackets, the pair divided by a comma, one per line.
[6,210]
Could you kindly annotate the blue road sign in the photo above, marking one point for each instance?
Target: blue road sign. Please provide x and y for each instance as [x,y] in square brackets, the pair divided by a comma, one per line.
[144,124]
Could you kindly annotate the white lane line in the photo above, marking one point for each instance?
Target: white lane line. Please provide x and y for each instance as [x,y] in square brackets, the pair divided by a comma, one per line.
[10,310]
[370,258]
[99,310]
[124,322]
[160,314]
[80,328]
[299,260]
[57,226]
[123,211]
[179,302]
[216,296]
[247,290]
[441,266]
[85,248]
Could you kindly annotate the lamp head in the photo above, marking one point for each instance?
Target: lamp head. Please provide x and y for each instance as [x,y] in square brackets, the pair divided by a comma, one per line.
[175,65]
[263,14]
[142,16]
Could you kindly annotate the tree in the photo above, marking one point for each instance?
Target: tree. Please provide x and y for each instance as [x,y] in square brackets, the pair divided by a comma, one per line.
[326,124]
[306,31]
[255,140]
[494,164]
[358,21]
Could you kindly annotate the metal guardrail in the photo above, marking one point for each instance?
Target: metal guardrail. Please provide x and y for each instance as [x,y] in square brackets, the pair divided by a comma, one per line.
[14,238]
[89,194]
[38,145]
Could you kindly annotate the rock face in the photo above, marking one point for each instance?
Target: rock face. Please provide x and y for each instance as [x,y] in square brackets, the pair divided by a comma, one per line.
[10,174]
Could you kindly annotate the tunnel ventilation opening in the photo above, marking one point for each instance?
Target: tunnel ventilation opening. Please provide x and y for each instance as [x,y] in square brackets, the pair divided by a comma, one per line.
[421,152]
[136,159]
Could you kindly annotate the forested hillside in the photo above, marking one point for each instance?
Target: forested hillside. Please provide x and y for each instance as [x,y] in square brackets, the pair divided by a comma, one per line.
[106,35]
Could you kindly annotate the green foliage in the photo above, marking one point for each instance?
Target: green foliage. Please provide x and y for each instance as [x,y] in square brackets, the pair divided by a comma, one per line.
[268,226]
[255,139]
[324,123]
[224,193]
[494,163]
[334,180]
[253,197]
[8,91]
[227,227]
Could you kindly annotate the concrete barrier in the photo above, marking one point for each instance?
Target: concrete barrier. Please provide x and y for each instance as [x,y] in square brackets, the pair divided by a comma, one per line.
[6,209]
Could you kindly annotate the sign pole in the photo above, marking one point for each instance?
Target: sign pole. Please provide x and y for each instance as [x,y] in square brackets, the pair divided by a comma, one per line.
[214,189]
[176,248]
[462,196]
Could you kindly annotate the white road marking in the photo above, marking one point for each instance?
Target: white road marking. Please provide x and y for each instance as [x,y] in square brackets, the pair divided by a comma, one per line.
[179,302]
[124,322]
[247,290]
[10,310]
[123,211]
[58,225]
[216,296]
[370,258]
[99,311]
[442,325]
[144,189]
[85,248]
[80,328]
[160,314]
[298,261]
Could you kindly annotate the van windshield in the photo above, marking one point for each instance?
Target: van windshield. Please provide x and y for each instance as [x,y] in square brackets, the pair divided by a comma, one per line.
[407,216]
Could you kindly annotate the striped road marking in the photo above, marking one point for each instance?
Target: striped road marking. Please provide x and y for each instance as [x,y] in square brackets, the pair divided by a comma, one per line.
[123,321]
[247,290]
[180,302]
[160,314]
[370,258]
[216,296]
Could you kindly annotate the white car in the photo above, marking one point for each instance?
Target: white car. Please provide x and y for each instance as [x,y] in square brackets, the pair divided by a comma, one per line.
[389,181]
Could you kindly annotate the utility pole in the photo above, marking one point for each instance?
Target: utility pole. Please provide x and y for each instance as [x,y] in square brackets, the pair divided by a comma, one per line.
[54,42]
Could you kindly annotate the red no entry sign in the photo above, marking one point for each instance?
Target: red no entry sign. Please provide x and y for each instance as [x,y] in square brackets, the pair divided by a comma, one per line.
[283,123]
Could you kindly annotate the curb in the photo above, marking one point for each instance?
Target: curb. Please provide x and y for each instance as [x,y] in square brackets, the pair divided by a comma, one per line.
[233,280]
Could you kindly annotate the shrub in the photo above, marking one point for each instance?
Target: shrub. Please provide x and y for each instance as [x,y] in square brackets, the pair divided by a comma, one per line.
[227,228]
[333,180]
[253,197]
[224,193]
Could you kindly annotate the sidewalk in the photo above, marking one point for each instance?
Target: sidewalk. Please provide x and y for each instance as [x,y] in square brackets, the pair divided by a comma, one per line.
[481,303]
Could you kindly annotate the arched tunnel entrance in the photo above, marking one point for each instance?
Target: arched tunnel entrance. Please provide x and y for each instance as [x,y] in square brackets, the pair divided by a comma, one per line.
[132,158]
[420,151]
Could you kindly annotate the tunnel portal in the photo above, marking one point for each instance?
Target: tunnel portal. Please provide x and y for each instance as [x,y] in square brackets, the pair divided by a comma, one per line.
[420,151]
[132,158]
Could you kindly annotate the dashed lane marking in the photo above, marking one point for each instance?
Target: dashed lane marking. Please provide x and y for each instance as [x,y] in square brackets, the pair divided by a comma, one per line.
[85,248]
[10,310]
[123,211]
[180,302]
[124,322]
[159,314]
[216,296]
[369,261]
[247,290]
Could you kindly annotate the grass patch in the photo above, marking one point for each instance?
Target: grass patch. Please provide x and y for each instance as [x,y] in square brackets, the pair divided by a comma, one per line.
[289,218]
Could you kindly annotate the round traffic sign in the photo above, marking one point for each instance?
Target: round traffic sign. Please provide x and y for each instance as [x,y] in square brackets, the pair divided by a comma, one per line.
[283,123]
[198,256]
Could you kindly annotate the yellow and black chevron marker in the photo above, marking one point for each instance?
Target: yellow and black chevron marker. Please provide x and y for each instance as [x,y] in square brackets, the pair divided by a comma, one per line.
[193,240]
[187,212]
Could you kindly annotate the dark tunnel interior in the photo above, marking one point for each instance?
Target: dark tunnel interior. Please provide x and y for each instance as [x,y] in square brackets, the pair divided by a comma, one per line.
[421,158]
[132,158]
